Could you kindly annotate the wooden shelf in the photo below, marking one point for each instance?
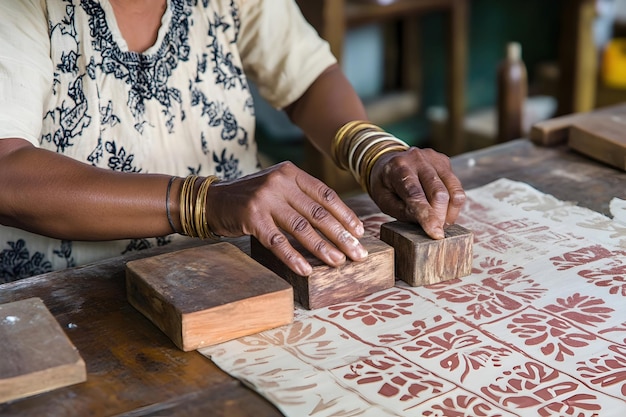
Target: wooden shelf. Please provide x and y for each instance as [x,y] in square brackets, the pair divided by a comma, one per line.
[332,18]
[359,12]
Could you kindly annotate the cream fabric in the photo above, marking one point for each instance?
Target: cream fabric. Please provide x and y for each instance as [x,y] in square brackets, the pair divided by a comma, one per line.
[537,329]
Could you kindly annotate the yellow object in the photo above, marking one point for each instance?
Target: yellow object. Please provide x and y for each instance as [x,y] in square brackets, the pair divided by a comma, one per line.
[614,63]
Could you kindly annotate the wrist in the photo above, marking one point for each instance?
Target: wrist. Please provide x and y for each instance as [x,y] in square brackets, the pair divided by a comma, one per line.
[358,145]
[193,211]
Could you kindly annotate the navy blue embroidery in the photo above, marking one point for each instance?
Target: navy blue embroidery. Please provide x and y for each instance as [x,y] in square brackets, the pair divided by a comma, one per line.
[96,154]
[91,68]
[68,62]
[72,119]
[17,263]
[119,160]
[227,167]
[142,244]
[217,115]
[230,76]
[163,240]
[194,171]
[65,252]
[137,244]
[106,115]
[147,75]
[235,15]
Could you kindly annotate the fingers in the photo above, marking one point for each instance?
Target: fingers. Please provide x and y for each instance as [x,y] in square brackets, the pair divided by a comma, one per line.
[426,199]
[279,245]
[319,208]
[284,200]
[329,203]
[425,189]
[456,193]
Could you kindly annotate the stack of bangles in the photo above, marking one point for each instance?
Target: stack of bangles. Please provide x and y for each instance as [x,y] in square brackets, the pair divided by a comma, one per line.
[359,144]
[193,213]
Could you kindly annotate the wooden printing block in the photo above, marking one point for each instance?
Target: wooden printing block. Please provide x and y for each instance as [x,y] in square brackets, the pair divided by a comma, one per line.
[37,356]
[421,260]
[208,294]
[328,285]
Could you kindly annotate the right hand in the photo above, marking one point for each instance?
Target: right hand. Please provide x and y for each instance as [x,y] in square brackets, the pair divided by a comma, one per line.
[285,198]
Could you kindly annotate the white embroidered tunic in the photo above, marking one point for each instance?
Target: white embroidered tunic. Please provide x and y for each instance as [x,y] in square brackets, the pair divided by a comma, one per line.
[68,83]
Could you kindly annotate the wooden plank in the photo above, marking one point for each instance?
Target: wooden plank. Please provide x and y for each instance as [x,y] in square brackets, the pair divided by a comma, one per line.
[208,295]
[37,355]
[421,260]
[601,137]
[328,285]
[555,131]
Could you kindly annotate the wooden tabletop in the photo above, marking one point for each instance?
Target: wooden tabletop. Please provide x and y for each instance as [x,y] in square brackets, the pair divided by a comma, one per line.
[135,370]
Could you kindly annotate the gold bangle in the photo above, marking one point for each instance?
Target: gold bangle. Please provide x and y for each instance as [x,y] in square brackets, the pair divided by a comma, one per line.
[365,180]
[201,223]
[369,154]
[186,205]
[364,147]
[345,134]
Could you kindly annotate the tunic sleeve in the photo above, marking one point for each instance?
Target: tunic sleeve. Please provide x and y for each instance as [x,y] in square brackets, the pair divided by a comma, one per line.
[25,68]
[281,52]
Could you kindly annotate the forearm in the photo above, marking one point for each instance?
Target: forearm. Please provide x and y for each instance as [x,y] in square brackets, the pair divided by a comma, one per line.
[328,104]
[50,194]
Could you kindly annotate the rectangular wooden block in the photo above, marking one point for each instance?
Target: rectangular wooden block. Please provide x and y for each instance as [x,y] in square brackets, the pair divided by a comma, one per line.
[601,137]
[208,294]
[37,356]
[328,285]
[421,260]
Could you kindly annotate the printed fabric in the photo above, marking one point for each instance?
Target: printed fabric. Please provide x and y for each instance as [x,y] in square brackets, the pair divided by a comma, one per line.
[537,329]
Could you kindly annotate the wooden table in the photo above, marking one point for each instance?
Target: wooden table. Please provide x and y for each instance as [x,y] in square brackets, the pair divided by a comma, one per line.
[134,369]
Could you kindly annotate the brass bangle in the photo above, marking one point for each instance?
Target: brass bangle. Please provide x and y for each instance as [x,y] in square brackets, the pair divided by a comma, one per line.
[340,135]
[201,223]
[364,147]
[372,151]
[343,137]
[365,180]
[186,205]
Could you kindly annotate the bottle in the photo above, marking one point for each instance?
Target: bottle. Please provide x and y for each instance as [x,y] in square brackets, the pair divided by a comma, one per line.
[512,91]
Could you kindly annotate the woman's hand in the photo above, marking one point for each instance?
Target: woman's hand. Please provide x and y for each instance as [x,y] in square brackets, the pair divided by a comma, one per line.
[418,185]
[281,199]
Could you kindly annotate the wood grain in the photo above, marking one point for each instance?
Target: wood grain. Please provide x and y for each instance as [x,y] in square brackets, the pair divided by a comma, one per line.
[135,370]
[555,131]
[421,260]
[207,295]
[328,285]
[37,356]
[601,137]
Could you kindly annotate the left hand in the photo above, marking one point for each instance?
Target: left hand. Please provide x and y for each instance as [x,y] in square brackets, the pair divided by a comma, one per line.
[418,185]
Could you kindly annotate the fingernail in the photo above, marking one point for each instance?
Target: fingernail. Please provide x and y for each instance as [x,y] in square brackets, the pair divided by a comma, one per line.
[304,268]
[362,252]
[360,229]
[337,256]
[348,238]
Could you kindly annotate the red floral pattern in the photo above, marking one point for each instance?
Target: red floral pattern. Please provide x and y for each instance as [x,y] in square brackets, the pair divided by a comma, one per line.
[537,329]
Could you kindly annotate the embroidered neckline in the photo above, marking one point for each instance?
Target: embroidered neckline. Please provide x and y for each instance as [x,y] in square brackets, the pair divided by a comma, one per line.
[103,37]
[147,74]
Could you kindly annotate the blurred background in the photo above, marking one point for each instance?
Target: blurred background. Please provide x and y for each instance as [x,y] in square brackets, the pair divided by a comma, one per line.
[427,69]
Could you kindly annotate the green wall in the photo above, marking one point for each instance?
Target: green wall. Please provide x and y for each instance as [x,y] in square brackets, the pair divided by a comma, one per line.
[492,23]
